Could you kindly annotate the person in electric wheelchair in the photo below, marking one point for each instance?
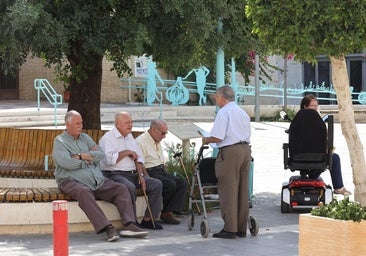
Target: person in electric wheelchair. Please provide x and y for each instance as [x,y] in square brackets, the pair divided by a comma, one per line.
[308,151]
[311,102]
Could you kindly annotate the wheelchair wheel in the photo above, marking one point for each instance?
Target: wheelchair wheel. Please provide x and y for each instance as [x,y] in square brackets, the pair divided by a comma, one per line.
[205,229]
[285,208]
[253,226]
[190,219]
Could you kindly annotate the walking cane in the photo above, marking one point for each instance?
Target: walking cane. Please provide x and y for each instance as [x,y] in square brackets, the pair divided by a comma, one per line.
[146,199]
[179,155]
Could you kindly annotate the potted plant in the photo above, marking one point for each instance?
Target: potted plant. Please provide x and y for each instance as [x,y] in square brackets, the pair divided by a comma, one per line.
[338,228]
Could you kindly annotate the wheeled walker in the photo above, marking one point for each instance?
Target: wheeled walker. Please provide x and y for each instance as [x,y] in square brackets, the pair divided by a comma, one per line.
[205,181]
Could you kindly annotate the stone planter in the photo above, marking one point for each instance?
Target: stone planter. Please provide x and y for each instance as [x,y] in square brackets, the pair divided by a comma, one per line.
[325,236]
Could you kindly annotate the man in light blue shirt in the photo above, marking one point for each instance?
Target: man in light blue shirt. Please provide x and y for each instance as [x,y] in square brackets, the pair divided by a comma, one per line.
[231,133]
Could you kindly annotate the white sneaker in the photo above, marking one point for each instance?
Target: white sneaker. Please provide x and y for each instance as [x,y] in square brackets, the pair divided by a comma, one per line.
[111,234]
[132,230]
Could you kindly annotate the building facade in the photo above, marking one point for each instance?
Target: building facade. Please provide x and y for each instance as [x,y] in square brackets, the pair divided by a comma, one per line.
[20,87]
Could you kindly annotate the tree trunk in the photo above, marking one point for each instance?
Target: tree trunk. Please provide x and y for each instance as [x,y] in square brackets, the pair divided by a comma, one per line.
[85,95]
[348,125]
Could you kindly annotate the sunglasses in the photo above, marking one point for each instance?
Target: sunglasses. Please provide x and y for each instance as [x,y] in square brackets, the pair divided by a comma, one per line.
[162,132]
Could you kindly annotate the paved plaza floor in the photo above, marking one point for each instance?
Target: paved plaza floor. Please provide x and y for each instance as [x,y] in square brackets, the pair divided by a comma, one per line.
[278,233]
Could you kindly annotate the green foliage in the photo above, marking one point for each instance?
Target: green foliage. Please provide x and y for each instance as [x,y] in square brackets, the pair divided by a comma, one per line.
[309,28]
[290,114]
[175,165]
[183,167]
[139,95]
[341,210]
[74,36]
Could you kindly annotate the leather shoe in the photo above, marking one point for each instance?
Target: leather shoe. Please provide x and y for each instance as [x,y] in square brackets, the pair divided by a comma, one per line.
[169,218]
[180,213]
[225,234]
[241,234]
[149,225]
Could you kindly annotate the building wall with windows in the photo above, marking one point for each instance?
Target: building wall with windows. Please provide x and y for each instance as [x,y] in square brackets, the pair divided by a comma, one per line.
[34,68]
[298,74]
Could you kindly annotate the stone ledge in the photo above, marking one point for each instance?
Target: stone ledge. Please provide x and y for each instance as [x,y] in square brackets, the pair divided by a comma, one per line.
[36,218]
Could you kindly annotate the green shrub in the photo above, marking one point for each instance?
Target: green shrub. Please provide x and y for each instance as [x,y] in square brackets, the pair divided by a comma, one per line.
[341,210]
[185,168]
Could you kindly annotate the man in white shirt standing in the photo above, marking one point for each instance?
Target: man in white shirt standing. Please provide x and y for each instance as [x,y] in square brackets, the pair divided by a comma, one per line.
[124,163]
[231,133]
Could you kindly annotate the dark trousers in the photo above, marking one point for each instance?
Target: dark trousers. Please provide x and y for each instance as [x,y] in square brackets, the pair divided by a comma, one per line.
[174,189]
[335,172]
[153,189]
[110,191]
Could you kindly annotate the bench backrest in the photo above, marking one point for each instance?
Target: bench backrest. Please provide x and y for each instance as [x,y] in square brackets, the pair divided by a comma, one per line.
[26,148]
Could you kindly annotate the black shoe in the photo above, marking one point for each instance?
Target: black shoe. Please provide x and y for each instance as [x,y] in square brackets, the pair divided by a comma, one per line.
[241,234]
[180,213]
[225,234]
[149,225]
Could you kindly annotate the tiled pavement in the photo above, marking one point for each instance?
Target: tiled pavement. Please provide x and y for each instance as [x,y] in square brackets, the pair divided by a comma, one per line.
[278,233]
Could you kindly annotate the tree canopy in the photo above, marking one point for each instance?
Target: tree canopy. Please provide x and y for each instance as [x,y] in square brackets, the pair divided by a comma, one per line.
[76,35]
[311,28]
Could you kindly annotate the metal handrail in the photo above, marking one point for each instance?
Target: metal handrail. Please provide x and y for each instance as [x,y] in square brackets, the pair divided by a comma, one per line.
[44,86]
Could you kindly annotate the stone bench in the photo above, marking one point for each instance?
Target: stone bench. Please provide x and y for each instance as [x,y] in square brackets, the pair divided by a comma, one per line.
[27,189]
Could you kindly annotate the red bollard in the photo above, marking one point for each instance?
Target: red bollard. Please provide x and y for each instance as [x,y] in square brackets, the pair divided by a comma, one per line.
[60,228]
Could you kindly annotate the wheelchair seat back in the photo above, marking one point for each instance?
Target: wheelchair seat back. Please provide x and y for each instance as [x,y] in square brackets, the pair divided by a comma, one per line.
[309,142]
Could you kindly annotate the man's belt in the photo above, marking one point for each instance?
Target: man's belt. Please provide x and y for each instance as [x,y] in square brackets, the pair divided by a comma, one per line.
[158,167]
[120,171]
[238,143]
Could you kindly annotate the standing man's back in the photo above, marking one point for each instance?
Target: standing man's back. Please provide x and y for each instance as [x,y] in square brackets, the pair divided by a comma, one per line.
[231,133]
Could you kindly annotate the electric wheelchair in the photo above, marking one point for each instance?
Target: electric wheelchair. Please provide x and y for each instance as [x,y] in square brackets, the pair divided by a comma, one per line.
[308,151]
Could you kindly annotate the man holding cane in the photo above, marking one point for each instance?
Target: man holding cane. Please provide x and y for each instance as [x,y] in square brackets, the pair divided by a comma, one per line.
[124,163]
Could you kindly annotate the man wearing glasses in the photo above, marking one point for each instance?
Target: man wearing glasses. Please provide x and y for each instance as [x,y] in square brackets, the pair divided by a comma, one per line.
[125,164]
[174,187]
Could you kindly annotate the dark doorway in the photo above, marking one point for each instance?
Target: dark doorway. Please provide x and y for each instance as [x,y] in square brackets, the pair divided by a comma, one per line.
[9,86]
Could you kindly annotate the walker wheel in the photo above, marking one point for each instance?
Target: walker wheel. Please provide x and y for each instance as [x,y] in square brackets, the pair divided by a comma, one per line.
[205,229]
[253,226]
[190,219]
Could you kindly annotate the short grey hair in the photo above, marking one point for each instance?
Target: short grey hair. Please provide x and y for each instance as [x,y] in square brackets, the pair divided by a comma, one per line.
[70,114]
[157,123]
[227,92]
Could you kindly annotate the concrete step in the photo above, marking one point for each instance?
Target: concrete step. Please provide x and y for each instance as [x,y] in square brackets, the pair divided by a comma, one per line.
[141,115]
[28,115]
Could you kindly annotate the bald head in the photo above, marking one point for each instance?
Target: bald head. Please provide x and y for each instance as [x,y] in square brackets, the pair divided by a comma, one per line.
[123,122]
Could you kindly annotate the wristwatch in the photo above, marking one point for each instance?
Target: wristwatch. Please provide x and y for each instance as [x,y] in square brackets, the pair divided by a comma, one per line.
[79,156]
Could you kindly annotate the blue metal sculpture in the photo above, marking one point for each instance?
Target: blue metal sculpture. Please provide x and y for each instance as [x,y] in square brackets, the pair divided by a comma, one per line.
[201,74]
[152,92]
[177,94]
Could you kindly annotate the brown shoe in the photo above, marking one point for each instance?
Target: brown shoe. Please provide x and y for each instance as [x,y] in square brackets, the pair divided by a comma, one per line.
[342,191]
[111,234]
[132,230]
[169,218]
